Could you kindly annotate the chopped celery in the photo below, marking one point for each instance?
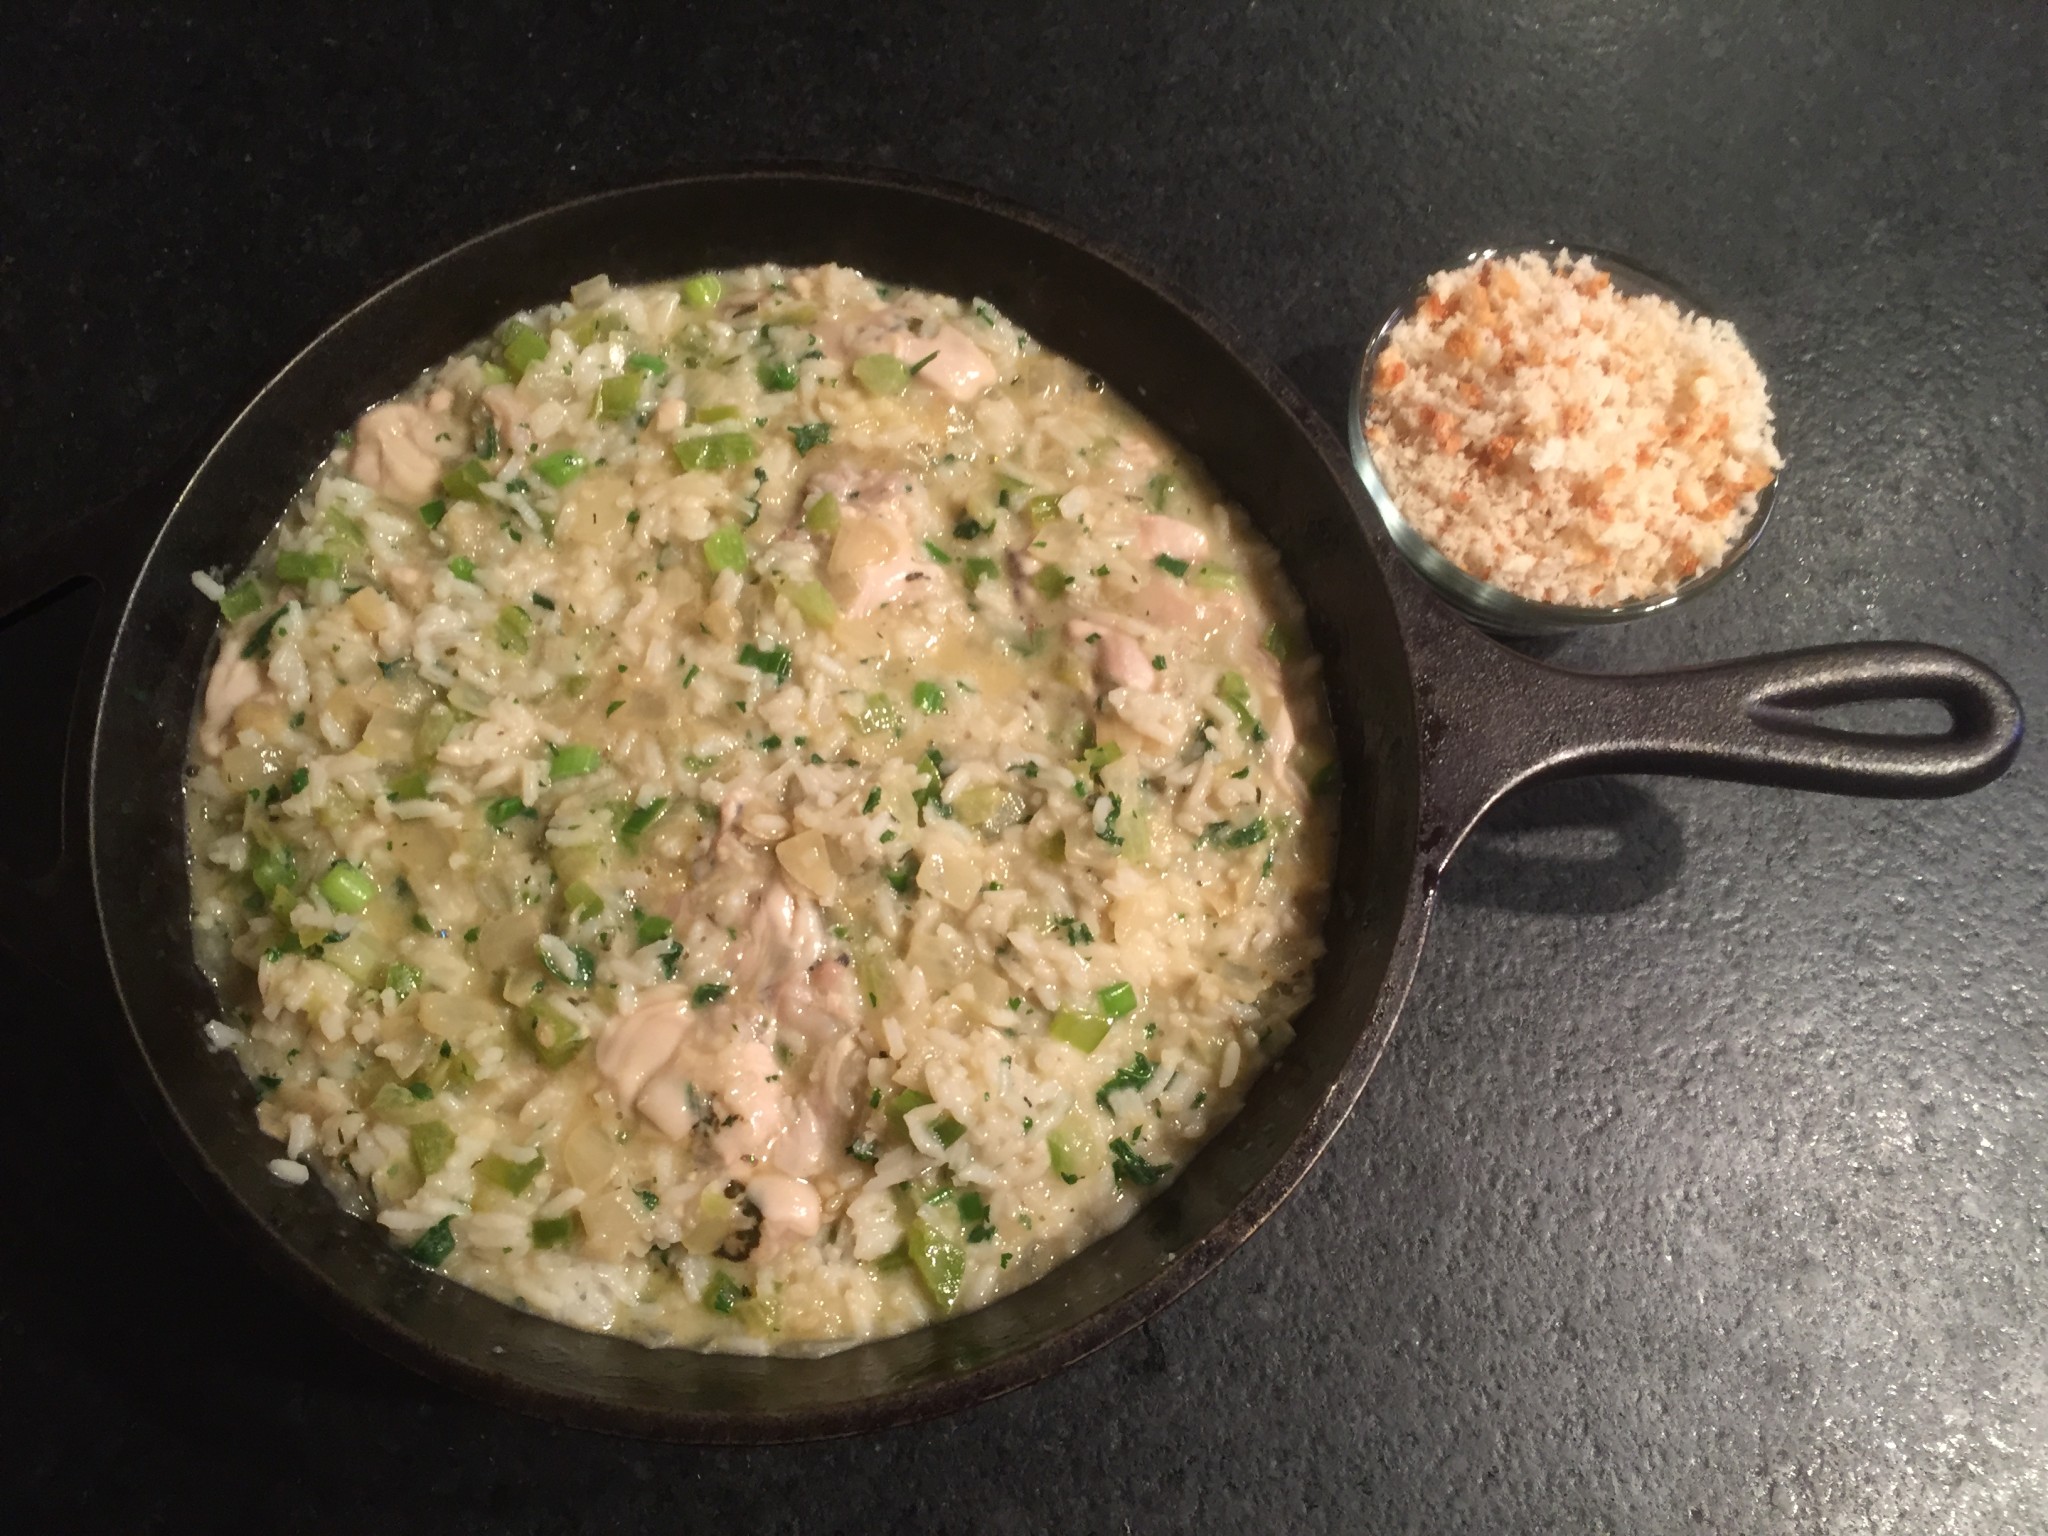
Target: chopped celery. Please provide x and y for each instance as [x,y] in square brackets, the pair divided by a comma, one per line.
[410,785]
[1279,641]
[928,697]
[242,599]
[360,957]
[990,808]
[522,346]
[403,979]
[1043,510]
[514,629]
[711,413]
[508,1175]
[901,1104]
[940,1262]
[882,374]
[1083,1029]
[463,568]
[822,515]
[774,661]
[979,568]
[636,825]
[436,725]
[581,902]
[572,760]
[505,808]
[1133,1169]
[649,364]
[1117,999]
[1232,689]
[560,467]
[432,1142]
[299,566]
[1072,1150]
[878,714]
[725,549]
[274,869]
[433,1246]
[703,290]
[465,482]
[554,1036]
[1051,581]
[1219,578]
[1099,758]
[1158,488]
[776,375]
[810,599]
[652,929]
[554,1231]
[619,398]
[717,450]
[347,888]
[1136,1075]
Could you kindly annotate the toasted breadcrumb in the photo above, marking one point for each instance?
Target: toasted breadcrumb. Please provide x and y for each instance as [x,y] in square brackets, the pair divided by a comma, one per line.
[1567,442]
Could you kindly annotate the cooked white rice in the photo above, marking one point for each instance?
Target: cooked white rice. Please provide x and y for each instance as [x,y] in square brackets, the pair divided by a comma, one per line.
[756,813]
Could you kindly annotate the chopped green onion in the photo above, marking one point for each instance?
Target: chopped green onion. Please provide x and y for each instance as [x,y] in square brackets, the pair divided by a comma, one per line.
[724,1293]
[300,566]
[652,929]
[572,760]
[435,1244]
[242,599]
[465,482]
[522,345]
[711,413]
[812,434]
[1158,488]
[1083,1030]
[581,902]
[514,629]
[432,512]
[619,398]
[939,556]
[948,1130]
[1253,831]
[1233,690]
[901,1104]
[919,366]
[1117,999]
[874,799]
[703,290]
[559,468]
[508,1175]
[649,364]
[863,1149]
[1217,577]
[878,714]
[940,1262]
[777,376]
[929,697]
[1099,758]
[775,662]
[1133,1169]
[553,1231]
[403,979]
[347,888]
[1043,510]
[432,1142]
[570,964]
[990,808]
[716,450]
[503,809]
[1278,641]
[274,869]
[1170,565]
[635,825]
[979,569]
[1136,1075]
[708,993]
[463,568]
[1067,1150]
[882,374]
[725,549]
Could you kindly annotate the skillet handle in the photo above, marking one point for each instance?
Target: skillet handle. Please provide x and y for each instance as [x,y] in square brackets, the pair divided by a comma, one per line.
[1500,720]
[46,916]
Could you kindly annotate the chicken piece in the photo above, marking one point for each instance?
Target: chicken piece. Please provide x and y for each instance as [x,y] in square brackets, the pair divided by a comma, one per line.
[958,368]
[403,446]
[509,410]
[790,1210]
[1170,536]
[876,555]
[1195,615]
[1120,661]
[233,682]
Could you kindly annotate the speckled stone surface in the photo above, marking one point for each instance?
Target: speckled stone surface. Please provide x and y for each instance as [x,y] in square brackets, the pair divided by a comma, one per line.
[1705,1185]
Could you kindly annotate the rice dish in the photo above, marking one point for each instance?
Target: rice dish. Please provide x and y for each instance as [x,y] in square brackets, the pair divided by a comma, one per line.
[756,812]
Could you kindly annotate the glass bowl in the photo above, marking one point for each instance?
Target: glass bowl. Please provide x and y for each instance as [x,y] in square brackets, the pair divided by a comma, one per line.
[1495,608]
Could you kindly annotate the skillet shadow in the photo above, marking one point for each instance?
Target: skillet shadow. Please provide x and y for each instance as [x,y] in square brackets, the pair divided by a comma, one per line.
[1580,846]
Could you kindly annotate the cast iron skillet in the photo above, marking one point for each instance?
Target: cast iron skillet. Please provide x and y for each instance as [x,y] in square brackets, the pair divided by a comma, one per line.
[1435,723]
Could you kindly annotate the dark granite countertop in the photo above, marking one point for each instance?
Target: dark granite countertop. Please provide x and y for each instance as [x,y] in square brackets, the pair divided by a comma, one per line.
[1705,1185]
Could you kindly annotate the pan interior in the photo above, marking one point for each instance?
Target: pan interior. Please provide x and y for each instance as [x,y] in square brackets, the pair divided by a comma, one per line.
[1255,437]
